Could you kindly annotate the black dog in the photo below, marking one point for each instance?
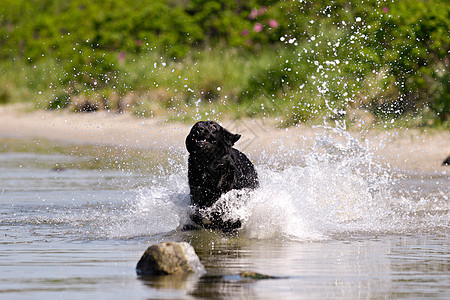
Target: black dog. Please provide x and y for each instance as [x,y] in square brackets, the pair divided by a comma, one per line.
[215,168]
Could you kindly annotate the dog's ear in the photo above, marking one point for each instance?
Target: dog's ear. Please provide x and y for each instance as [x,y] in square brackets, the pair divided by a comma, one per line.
[230,138]
[189,143]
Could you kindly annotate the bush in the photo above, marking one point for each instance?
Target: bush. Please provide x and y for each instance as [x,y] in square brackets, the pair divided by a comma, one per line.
[388,57]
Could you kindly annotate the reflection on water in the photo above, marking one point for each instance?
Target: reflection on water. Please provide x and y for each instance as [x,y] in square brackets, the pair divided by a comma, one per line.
[360,268]
[79,233]
[421,266]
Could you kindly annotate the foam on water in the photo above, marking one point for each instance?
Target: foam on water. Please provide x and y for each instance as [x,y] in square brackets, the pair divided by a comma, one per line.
[335,189]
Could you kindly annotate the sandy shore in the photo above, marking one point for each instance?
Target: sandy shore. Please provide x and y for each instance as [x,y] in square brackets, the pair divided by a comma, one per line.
[406,150]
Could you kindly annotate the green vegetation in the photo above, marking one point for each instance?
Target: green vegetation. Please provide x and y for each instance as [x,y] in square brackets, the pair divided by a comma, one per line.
[298,61]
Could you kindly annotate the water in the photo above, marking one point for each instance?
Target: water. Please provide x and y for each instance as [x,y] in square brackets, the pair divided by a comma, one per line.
[329,222]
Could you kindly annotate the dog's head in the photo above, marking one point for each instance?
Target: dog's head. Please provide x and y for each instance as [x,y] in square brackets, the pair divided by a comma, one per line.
[209,138]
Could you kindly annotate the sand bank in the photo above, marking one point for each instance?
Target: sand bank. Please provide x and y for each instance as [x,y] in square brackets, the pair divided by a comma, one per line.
[406,150]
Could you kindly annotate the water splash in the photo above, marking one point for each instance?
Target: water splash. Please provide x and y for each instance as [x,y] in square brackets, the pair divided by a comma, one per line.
[162,208]
[337,189]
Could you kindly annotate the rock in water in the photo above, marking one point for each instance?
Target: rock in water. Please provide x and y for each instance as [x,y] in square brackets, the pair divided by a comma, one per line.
[253,275]
[169,258]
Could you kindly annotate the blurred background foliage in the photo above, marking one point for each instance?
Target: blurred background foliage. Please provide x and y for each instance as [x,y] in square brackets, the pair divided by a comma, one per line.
[297,61]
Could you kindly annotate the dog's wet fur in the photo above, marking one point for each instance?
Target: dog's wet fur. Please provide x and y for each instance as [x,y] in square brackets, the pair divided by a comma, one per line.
[215,168]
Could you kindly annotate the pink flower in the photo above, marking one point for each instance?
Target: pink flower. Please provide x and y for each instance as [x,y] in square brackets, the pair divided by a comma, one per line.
[253,14]
[385,10]
[122,56]
[258,27]
[273,23]
[262,10]
[257,12]
[245,32]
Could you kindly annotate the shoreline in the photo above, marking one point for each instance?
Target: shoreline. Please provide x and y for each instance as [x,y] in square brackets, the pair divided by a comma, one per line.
[406,150]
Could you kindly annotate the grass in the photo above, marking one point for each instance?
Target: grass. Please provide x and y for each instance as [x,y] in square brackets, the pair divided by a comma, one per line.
[216,84]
